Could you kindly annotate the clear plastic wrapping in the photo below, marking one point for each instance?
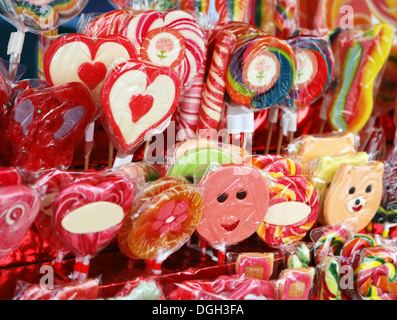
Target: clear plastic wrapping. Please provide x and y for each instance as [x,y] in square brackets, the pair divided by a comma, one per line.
[171,39]
[45,125]
[138,100]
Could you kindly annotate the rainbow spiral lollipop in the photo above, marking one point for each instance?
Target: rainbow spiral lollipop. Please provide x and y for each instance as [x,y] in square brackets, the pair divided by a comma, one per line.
[376,276]
[261,73]
[315,68]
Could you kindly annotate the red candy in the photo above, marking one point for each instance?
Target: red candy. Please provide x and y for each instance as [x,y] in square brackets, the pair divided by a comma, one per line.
[45,125]
[19,206]
[9,177]
[137,97]
[89,213]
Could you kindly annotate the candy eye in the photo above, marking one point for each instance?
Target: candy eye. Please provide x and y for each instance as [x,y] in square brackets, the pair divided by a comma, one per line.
[369,189]
[241,195]
[352,190]
[222,197]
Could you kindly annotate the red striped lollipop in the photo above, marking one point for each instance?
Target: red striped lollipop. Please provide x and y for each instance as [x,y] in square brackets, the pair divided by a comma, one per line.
[172,39]
[9,177]
[293,210]
[89,213]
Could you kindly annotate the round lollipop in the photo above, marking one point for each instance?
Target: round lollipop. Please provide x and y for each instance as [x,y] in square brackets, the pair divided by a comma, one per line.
[384,10]
[235,202]
[293,210]
[315,67]
[330,242]
[163,221]
[352,249]
[89,213]
[375,276]
[35,16]
[261,73]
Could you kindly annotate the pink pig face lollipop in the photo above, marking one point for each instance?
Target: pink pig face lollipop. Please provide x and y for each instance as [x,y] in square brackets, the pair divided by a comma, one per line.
[19,206]
[235,202]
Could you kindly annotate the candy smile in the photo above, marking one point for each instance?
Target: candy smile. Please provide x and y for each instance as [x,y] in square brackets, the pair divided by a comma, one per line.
[357,209]
[230,227]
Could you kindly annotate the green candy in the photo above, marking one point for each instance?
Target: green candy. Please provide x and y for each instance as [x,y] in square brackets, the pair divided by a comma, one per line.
[197,162]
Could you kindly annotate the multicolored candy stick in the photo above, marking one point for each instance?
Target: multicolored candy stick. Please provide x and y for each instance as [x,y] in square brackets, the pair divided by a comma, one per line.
[295,284]
[328,241]
[80,58]
[354,195]
[301,258]
[232,210]
[19,206]
[375,276]
[293,210]
[212,104]
[172,39]
[384,10]
[350,254]
[9,177]
[315,67]
[286,17]
[232,10]
[164,223]
[45,125]
[261,73]
[88,214]
[359,57]
[328,286]
[137,98]
[255,265]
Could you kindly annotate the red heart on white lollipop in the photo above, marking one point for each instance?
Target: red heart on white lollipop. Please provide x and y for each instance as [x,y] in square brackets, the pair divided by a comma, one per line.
[80,58]
[137,97]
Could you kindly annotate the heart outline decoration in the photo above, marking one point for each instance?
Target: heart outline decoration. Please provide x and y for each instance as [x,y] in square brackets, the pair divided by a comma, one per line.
[131,74]
[92,71]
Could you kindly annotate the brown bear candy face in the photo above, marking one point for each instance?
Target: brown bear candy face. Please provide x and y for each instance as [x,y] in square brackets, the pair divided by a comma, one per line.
[354,195]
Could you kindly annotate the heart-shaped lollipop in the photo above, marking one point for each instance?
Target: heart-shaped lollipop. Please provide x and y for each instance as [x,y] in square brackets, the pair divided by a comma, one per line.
[137,97]
[46,124]
[19,206]
[80,58]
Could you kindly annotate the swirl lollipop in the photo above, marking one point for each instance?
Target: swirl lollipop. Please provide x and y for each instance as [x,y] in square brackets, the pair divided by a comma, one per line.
[315,64]
[261,73]
[375,276]
[89,213]
[37,17]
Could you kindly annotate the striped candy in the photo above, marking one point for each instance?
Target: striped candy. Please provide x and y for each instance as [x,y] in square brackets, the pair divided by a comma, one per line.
[173,39]
[329,288]
[315,64]
[330,242]
[384,10]
[286,17]
[352,249]
[375,276]
[261,73]
[289,189]
[214,88]
[359,56]
[187,115]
